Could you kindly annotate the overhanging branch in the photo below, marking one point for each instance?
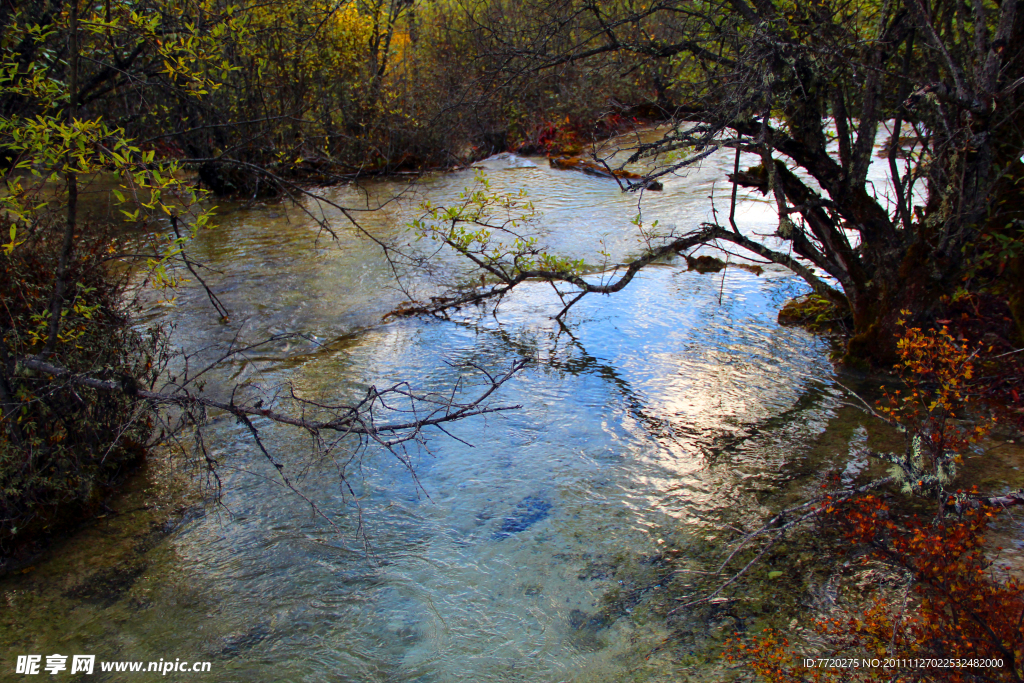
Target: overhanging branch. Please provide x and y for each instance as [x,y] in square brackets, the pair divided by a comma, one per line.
[430,409]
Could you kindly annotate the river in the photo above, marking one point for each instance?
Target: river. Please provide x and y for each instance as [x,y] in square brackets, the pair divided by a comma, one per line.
[542,544]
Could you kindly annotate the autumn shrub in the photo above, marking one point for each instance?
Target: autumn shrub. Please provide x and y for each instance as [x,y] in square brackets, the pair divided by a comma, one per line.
[967,609]
[963,619]
[60,444]
[955,615]
[936,410]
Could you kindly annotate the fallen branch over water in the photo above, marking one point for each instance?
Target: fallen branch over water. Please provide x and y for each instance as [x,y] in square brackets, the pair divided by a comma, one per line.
[509,278]
[430,409]
[633,180]
[1009,500]
[332,435]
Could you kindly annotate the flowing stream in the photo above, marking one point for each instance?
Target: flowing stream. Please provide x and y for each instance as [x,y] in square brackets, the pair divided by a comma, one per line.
[541,544]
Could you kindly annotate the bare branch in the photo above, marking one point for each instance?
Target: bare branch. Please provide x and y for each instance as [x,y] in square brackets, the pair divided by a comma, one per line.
[348,420]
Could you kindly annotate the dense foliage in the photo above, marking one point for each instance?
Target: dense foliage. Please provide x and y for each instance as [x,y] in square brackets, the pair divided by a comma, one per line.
[63,444]
[254,95]
[62,289]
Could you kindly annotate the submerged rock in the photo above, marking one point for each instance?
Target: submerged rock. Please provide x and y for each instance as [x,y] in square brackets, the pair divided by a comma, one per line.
[528,512]
[234,644]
